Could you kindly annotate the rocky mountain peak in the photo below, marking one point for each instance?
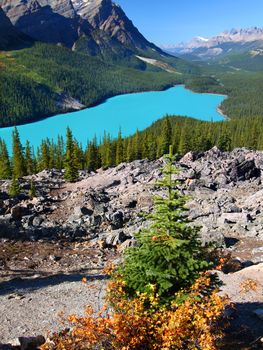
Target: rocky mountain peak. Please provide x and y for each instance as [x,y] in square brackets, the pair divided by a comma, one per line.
[110,18]
[53,21]
[66,21]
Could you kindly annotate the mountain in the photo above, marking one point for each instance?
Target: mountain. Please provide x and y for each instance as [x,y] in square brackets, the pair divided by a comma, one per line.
[52,21]
[95,27]
[10,37]
[111,19]
[234,42]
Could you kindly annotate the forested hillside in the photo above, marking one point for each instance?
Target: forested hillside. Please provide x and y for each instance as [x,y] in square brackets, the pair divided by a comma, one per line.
[35,80]
[244,89]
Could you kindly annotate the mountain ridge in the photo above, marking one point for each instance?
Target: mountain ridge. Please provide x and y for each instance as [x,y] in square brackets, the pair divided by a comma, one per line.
[233,35]
[248,41]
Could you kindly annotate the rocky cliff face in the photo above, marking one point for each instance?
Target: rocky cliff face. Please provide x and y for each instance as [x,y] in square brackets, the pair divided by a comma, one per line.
[110,18]
[97,23]
[46,20]
[10,38]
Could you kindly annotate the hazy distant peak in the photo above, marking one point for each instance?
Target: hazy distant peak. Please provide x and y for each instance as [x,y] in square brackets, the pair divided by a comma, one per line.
[248,41]
[234,35]
[202,39]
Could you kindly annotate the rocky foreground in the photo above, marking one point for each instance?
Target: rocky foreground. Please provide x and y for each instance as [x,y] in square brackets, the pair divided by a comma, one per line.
[69,231]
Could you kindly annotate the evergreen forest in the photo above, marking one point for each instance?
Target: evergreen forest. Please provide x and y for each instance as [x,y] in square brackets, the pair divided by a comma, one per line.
[184,134]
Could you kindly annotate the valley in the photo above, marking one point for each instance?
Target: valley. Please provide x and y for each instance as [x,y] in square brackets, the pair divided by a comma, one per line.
[131,174]
[128,113]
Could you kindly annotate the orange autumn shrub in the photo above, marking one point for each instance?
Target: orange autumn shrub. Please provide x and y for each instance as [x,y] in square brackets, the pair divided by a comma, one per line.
[192,321]
[160,298]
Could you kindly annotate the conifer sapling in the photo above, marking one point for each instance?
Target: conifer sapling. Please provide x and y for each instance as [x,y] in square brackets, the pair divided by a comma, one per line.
[169,255]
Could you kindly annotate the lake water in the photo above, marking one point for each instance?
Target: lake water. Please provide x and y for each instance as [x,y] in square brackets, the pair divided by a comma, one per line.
[128,112]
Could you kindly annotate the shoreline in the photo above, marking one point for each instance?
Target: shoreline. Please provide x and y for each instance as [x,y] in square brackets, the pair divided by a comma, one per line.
[107,97]
[220,111]
[203,93]
[95,104]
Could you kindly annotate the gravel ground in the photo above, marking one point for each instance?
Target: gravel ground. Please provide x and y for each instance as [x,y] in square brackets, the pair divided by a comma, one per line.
[245,290]
[33,306]
[30,307]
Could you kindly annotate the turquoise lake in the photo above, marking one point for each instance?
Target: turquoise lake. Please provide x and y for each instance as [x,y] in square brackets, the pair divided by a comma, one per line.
[126,112]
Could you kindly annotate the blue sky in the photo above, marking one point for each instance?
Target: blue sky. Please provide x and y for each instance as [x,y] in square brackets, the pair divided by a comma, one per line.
[172,21]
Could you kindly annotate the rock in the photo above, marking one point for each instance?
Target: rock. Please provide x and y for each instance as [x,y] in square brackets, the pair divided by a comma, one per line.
[242,170]
[82,211]
[54,258]
[231,208]
[18,212]
[234,218]
[209,235]
[259,313]
[31,343]
[117,220]
[116,238]
[230,241]
[232,265]
[213,153]
[187,158]
[27,343]
[37,221]
[145,200]
[127,244]
[104,201]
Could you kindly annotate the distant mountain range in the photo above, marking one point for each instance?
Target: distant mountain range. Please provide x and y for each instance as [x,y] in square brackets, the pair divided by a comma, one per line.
[233,42]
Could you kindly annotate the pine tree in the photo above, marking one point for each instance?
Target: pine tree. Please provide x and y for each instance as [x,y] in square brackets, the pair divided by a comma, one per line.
[136,146]
[32,190]
[59,150]
[52,161]
[152,147]
[106,151]
[18,156]
[5,167]
[14,189]
[45,154]
[145,145]
[165,138]
[169,254]
[92,156]
[29,160]
[79,156]
[129,151]
[224,142]
[71,161]
[119,149]
[184,144]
